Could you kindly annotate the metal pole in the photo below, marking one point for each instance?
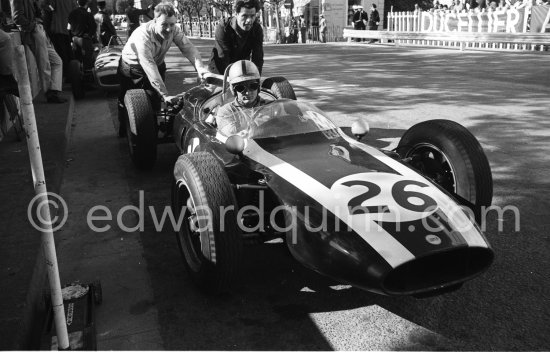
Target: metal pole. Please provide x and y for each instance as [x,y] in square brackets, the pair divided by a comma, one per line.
[35,156]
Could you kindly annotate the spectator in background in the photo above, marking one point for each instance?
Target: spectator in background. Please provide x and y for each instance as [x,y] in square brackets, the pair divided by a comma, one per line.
[132,16]
[360,19]
[295,30]
[322,28]
[26,16]
[46,10]
[239,37]
[374,20]
[105,27]
[8,85]
[303,28]
[59,33]
[82,27]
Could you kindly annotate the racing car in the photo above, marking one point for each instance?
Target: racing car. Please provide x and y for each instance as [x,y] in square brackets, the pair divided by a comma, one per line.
[393,222]
[104,71]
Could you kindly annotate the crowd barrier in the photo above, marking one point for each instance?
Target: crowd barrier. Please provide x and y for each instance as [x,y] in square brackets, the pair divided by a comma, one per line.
[523,28]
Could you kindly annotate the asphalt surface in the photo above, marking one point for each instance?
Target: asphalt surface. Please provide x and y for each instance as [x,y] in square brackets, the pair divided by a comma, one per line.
[149,302]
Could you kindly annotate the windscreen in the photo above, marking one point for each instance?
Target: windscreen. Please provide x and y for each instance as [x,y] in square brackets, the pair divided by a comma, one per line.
[289,117]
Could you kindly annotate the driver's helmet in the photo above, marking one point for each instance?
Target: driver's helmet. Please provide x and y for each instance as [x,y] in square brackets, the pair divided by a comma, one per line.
[242,71]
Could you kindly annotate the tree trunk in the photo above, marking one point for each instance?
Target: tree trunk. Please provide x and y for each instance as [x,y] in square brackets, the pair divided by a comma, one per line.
[278,22]
[190,22]
[210,25]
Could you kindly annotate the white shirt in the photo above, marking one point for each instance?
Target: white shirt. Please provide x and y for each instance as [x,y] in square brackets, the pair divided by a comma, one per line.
[146,49]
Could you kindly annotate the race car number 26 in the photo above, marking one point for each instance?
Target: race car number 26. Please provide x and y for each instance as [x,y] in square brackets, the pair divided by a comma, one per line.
[387,197]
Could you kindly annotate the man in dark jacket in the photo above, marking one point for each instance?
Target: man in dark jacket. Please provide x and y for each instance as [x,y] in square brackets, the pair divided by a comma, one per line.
[83,30]
[238,38]
[105,27]
[374,20]
[132,16]
[59,34]
[360,19]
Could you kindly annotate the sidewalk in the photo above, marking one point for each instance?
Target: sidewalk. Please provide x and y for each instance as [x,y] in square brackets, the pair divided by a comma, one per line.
[23,278]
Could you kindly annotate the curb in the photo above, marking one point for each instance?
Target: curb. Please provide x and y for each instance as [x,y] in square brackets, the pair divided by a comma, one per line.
[58,178]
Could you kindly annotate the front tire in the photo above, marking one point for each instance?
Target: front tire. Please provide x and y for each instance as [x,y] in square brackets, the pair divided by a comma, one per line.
[452,157]
[280,87]
[141,129]
[210,244]
[75,74]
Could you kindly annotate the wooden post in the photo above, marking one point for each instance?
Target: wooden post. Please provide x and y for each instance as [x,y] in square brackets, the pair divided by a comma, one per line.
[37,168]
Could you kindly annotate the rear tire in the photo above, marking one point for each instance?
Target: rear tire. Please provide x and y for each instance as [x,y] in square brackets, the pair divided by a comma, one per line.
[212,254]
[452,157]
[75,74]
[141,120]
[280,87]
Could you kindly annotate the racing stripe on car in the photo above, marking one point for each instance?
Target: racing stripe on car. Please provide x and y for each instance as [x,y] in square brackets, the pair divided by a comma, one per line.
[328,160]
[460,220]
[393,252]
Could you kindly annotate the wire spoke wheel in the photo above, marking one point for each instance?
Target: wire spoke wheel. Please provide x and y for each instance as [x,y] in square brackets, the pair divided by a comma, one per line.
[434,164]
[452,157]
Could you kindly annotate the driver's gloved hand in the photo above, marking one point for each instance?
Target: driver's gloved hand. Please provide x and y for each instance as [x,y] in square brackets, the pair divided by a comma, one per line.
[171,99]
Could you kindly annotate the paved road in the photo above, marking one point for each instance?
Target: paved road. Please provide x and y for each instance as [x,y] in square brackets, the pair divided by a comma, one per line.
[501,97]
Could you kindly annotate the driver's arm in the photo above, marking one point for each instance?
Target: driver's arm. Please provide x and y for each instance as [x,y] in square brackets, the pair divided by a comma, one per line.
[226,120]
[189,51]
[144,51]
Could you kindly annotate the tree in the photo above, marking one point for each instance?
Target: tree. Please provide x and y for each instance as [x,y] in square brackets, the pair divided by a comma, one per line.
[187,7]
[197,6]
[276,5]
[210,14]
[224,6]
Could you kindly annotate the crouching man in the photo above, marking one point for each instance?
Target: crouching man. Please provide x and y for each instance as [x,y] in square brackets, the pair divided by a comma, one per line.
[142,63]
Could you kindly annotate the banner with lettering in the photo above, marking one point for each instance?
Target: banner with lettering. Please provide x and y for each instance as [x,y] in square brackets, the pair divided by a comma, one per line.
[540,18]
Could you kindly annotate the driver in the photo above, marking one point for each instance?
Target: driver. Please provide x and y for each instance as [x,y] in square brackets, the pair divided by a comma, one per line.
[235,117]
[142,63]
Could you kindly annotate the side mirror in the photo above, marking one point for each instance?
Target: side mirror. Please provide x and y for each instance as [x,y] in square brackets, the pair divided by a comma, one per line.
[235,144]
[359,129]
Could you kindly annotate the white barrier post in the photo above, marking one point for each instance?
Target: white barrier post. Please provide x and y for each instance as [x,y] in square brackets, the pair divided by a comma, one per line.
[37,168]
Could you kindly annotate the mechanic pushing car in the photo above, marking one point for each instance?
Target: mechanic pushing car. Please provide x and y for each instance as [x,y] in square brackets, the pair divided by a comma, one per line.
[142,63]
[235,117]
[238,38]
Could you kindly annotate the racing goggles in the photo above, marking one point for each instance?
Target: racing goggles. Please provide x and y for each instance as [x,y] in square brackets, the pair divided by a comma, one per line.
[242,87]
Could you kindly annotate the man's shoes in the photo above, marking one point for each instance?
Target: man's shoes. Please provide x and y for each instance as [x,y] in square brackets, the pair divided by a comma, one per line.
[52,97]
